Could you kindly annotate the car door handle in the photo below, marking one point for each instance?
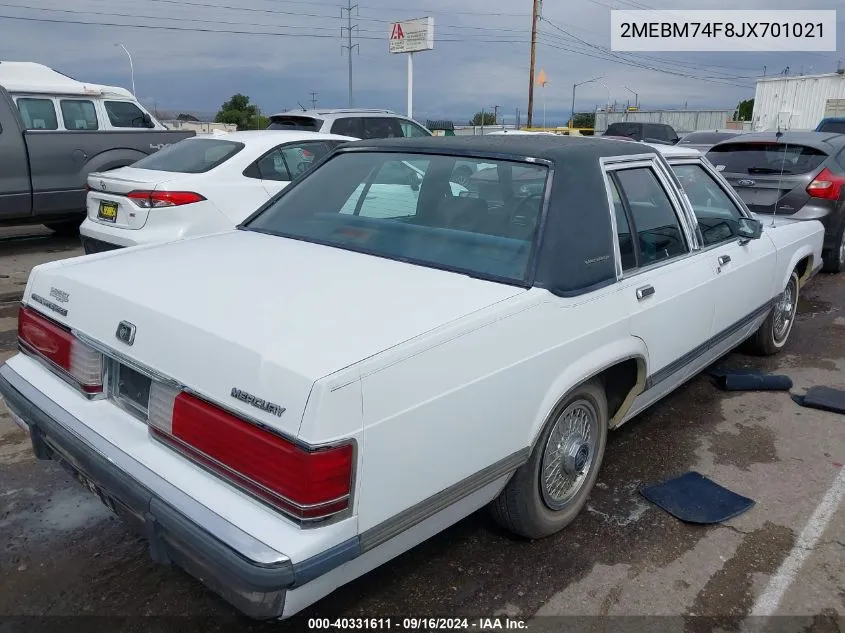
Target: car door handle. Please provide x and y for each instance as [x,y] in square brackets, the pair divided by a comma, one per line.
[645,291]
[724,259]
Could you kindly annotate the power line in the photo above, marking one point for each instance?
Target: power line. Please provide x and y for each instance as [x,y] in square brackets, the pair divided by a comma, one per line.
[236,32]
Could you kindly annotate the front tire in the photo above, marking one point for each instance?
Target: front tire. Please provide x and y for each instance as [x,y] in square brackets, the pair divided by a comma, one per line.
[548,492]
[771,337]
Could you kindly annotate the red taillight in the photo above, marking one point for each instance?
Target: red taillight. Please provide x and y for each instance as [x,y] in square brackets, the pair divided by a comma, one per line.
[308,484]
[826,185]
[156,199]
[62,349]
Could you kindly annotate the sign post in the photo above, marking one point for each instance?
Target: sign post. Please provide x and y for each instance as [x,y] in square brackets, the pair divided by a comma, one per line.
[410,37]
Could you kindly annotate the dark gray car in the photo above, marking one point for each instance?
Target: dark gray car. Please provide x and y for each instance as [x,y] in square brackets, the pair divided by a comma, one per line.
[704,140]
[799,175]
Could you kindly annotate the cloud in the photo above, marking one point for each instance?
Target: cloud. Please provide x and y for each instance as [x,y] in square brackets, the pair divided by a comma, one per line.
[278,51]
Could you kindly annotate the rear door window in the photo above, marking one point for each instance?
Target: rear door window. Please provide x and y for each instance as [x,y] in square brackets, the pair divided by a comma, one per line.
[765,158]
[124,114]
[191,156]
[652,218]
[286,162]
[38,114]
[79,114]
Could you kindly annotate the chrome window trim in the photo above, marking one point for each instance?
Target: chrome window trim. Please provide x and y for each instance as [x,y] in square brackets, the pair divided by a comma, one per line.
[617,163]
[726,188]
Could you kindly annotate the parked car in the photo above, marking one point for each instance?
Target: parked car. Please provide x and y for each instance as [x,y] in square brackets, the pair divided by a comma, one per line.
[646,132]
[198,186]
[282,407]
[834,125]
[703,141]
[358,122]
[56,131]
[795,175]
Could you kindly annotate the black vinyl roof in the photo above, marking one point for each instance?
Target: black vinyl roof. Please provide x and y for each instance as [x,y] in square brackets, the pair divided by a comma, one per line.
[518,146]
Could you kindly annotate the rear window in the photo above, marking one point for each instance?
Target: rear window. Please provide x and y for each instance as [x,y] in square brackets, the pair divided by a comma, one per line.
[765,158]
[306,123]
[631,130]
[834,127]
[191,156]
[704,138]
[404,207]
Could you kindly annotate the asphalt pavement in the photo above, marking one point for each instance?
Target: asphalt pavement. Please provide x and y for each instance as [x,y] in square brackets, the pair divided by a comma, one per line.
[624,564]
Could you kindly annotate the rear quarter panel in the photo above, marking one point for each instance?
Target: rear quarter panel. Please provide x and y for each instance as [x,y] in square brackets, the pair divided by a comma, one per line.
[60,162]
[794,241]
[439,409]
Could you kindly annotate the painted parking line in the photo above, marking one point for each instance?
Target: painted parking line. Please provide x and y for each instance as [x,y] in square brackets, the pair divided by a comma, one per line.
[768,602]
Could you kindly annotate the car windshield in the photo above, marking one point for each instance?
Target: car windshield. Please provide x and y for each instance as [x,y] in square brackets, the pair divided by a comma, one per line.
[191,156]
[408,207]
[765,158]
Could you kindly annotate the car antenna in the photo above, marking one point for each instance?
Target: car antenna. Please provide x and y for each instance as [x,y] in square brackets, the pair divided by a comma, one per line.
[301,106]
[778,136]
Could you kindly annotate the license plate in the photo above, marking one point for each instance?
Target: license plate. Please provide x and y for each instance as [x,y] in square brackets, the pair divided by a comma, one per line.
[133,388]
[108,211]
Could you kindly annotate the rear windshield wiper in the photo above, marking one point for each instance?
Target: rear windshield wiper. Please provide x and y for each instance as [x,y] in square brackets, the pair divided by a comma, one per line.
[766,170]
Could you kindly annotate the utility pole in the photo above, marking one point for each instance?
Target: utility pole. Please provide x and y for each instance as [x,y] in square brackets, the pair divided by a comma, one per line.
[313,100]
[535,16]
[349,45]
[495,115]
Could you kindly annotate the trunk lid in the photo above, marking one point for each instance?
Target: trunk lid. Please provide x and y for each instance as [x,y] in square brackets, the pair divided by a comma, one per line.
[269,319]
[769,176]
[107,202]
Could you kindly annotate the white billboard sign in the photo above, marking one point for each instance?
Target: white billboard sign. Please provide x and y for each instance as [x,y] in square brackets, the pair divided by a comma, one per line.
[412,36]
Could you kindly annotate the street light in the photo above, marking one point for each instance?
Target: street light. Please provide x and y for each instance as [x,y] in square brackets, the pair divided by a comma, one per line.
[131,67]
[574,86]
[636,97]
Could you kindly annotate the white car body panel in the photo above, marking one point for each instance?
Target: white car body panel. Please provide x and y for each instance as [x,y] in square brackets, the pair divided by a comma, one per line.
[443,381]
[230,196]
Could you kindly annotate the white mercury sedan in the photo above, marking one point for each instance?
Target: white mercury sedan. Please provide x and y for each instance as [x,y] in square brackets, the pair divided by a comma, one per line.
[201,185]
[353,377]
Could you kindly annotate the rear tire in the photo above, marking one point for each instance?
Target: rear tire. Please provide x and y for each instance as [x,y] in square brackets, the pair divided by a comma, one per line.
[834,260]
[771,337]
[535,506]
[65,228]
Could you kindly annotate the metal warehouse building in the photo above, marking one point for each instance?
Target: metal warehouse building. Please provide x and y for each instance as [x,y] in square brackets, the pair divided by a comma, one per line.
[798,103]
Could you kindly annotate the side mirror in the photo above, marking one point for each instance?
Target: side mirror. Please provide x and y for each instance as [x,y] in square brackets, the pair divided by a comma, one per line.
[749,229]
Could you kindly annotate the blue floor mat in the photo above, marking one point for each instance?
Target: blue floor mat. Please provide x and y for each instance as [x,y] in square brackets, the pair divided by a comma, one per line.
[694,498]
[824,398]
[748,379]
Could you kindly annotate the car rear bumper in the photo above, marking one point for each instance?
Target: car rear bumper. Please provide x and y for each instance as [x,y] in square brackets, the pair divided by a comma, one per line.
[244,571]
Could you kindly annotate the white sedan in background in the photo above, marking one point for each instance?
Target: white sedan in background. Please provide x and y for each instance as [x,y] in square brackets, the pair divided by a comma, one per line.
[201,185]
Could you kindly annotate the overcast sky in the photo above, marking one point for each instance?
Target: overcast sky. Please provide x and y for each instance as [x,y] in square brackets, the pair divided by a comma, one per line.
[287,49]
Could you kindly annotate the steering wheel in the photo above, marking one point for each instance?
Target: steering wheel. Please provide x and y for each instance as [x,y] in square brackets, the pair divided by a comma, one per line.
[524,202]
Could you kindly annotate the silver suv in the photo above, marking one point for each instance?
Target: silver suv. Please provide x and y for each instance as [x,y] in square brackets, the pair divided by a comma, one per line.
[357,122]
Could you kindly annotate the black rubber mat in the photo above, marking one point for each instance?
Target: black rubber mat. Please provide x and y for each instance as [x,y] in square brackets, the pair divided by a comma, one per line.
[693,498]
[824,398]
[749,379]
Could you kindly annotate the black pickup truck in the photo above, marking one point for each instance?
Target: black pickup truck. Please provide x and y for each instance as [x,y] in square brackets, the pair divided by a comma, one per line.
[43,172]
